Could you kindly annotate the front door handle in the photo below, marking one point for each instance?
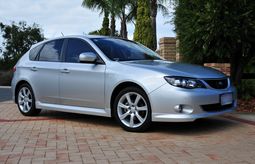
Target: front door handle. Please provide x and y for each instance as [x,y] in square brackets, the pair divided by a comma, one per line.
[65,70]
[33,69]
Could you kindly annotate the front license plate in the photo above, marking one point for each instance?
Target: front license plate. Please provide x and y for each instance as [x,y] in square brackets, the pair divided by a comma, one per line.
[226,98]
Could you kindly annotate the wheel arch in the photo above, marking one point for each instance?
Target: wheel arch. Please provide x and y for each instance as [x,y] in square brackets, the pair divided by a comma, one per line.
[21,82]
[120,87]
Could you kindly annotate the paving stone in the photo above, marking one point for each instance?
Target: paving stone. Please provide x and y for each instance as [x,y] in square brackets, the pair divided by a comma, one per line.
[55,137]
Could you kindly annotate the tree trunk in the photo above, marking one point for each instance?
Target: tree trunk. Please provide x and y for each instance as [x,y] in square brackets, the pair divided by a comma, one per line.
[113,26]
[123,30]
[124,27]
[236,69]
[154,10]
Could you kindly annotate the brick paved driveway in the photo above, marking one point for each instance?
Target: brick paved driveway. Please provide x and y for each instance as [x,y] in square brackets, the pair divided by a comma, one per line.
[63,138]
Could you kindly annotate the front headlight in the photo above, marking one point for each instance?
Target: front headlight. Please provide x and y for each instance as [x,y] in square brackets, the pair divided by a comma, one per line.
[184,82]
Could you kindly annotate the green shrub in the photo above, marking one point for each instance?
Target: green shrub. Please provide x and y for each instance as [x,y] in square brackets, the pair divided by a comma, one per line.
[247,89]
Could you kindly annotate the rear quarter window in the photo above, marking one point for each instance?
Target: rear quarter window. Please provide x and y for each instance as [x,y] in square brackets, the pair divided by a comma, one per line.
[34,52]
[51,51]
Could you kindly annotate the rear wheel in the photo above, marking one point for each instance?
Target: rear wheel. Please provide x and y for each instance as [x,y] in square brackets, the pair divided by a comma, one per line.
[26,101]
[132,109]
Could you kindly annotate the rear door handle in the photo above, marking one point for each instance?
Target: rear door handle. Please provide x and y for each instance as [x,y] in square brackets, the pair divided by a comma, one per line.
[65,70]
[33,69]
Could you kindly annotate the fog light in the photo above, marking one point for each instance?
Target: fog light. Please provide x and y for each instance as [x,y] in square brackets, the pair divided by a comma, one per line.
[186,109]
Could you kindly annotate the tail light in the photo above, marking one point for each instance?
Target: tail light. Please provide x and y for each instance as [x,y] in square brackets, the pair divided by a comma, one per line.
[14,69]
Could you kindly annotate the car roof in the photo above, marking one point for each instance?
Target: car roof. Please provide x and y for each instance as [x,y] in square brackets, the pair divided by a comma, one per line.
[80,36]
[71,36]
[77,36]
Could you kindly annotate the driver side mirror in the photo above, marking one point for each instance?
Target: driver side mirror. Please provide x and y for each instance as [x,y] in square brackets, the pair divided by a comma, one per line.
[87,57]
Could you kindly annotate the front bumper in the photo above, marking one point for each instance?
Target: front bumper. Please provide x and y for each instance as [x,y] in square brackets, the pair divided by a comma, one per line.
[167,97]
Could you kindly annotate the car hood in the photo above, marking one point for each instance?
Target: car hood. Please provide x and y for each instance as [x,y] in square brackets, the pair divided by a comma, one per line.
[176,69]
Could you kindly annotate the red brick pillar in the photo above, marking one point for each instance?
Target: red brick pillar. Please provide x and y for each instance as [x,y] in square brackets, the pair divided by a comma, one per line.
[167,48]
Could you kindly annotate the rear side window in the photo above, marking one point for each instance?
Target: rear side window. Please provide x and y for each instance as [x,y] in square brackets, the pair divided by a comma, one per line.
[74,48]
[51,51]
[34,52]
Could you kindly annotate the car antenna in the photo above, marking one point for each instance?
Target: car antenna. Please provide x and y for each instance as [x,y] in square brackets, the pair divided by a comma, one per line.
[62,34]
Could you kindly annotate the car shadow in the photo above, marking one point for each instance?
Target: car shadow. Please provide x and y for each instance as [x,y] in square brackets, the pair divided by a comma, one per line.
[81,118]
[200,126]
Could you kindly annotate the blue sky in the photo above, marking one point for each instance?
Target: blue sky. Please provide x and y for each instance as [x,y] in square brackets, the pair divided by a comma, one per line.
[66,16]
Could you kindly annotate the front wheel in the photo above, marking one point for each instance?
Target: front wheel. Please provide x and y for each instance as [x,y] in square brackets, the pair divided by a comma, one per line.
[26,101]
[132,109]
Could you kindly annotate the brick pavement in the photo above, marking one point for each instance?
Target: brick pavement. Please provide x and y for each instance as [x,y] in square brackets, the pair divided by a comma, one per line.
[55,137]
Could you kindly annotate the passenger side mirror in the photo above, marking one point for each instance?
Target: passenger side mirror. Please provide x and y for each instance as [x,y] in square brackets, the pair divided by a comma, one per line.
[87,57]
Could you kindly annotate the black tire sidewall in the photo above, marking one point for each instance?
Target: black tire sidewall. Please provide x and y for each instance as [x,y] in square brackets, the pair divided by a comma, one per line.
[145,126]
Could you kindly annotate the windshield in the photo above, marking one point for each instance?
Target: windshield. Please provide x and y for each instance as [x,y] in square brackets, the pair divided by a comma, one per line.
[124,50]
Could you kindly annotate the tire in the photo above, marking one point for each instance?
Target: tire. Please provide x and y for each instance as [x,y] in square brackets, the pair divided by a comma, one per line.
[132,110]
[26,101]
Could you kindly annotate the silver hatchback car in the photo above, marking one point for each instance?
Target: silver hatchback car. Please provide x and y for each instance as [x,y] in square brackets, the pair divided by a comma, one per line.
[117,78]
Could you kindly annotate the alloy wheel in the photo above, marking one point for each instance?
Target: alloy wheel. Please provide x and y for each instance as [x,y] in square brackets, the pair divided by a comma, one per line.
[132,109]
[25,99]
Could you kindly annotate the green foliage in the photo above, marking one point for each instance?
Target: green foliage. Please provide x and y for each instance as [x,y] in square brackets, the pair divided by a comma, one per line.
[18,38]
[96,32]
[103,6]
[247,89]
[107,7]
[115,8]
[214,28]
[217,30]
[105,30]
[96,4]
[143,28]
[250,67]
[126,11]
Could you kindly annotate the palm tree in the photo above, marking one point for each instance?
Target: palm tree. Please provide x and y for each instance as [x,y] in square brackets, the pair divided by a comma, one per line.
[106,7]
[115,8]
[131,7]
[155,6]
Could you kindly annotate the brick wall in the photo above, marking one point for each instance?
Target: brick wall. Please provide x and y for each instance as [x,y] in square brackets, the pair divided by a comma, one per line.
[223,67]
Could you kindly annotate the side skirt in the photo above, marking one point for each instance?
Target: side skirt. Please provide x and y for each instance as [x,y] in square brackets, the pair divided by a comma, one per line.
[72,109]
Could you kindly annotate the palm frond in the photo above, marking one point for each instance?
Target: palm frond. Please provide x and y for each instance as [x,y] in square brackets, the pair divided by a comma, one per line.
[163,9]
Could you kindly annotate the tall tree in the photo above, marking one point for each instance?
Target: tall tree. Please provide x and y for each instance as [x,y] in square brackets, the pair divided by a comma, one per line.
[107,7]
[18,38]
[143,29]
[217,29]
[128,11]
[155,6]
[114,7]
[105,25]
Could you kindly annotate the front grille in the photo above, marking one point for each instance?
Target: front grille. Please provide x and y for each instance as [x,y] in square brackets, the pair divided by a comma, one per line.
[216,107]
[217,83]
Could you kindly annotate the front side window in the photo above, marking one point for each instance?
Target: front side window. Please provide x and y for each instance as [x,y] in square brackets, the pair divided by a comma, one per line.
[124,50]
[51,51]
[74,48]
